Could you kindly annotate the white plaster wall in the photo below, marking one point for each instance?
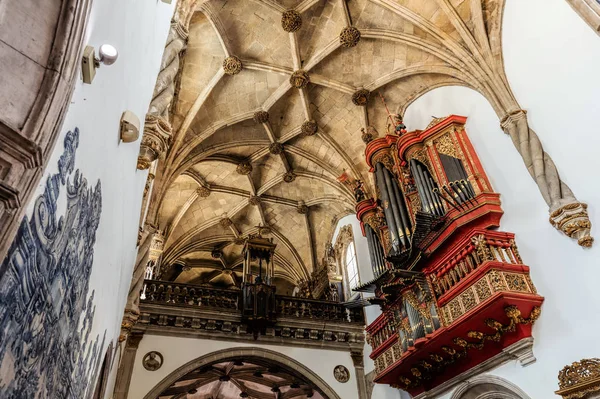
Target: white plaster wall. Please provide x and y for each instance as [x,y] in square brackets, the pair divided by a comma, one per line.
[179,351]
[138,29]
[552,61]
[372,312]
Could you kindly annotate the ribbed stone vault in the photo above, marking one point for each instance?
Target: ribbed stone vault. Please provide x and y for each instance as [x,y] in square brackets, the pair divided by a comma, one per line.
[242,154]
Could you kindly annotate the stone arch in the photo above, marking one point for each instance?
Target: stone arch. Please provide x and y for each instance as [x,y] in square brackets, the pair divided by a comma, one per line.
[488,387]
[246,353]
[44,61]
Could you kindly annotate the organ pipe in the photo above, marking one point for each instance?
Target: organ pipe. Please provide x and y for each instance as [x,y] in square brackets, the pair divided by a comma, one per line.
[394,202]
[375,251]
[403,211]
[387,210]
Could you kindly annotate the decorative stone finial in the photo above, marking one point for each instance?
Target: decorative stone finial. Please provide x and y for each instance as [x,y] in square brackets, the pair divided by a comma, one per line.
[261,117]
[232,65]
[226,222]
[573,220]
[349,36]
[299,79]
[244,168]
[289,177]
[155,140]
[203,192]
[291,21]
[309,128]
[276,148]
[361,97]
[254,200]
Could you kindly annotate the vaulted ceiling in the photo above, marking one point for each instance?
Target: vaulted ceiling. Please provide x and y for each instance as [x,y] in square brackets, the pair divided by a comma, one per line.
[242,153]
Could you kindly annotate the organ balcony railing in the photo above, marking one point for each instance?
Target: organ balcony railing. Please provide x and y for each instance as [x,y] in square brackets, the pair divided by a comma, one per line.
[448,283]
[225,300]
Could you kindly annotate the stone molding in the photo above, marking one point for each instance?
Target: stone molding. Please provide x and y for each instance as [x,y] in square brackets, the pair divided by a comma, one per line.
[589,10]
[515,391]
[521,350]
[227,325]
[25,150]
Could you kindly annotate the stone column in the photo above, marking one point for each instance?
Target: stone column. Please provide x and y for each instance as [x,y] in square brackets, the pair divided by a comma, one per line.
[150,249]
[359,369]
[567,214]
[125,370]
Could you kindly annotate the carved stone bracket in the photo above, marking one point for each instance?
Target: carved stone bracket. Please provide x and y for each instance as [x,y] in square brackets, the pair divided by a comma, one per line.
[155,141]
[567,213]
[573,220]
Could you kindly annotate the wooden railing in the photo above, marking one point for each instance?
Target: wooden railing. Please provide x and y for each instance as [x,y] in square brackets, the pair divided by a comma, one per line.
[380,331]
[288,306]
[479,250]
[177,294]
[183,294]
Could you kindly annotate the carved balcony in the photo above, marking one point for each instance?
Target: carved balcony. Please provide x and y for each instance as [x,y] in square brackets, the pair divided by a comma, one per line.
[185,310]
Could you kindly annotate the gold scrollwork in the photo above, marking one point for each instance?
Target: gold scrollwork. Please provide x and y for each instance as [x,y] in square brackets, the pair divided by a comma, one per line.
[579,379]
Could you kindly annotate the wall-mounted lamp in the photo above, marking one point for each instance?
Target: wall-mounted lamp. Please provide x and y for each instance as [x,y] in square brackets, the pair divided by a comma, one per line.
[108,54]
[130,127]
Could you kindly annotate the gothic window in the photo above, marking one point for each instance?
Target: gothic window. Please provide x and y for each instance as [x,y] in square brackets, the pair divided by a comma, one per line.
[352,266]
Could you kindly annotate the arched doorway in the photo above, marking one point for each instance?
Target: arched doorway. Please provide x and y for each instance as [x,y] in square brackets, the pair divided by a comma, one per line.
[237,372]
[488,387]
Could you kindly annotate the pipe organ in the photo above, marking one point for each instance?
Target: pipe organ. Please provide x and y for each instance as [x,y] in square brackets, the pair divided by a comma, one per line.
[448,282]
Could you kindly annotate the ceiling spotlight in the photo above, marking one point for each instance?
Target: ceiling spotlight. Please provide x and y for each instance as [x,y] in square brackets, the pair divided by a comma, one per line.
[238,363]
[244,395]
[295,385]
[224,378]
[108,55]
[275,389]
[192,391]
[257,374]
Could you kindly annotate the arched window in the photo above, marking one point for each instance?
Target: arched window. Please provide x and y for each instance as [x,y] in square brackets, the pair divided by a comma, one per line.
[352,266]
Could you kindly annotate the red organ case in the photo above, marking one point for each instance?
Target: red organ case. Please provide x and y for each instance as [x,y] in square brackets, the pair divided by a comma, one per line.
[453,289]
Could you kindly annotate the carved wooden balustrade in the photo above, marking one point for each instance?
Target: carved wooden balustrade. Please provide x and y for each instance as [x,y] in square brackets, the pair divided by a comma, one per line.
[288,306]
[184,294]
[206,312]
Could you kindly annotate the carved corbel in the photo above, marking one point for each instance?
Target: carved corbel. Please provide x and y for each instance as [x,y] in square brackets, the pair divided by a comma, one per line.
[155,141]
[566,213]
